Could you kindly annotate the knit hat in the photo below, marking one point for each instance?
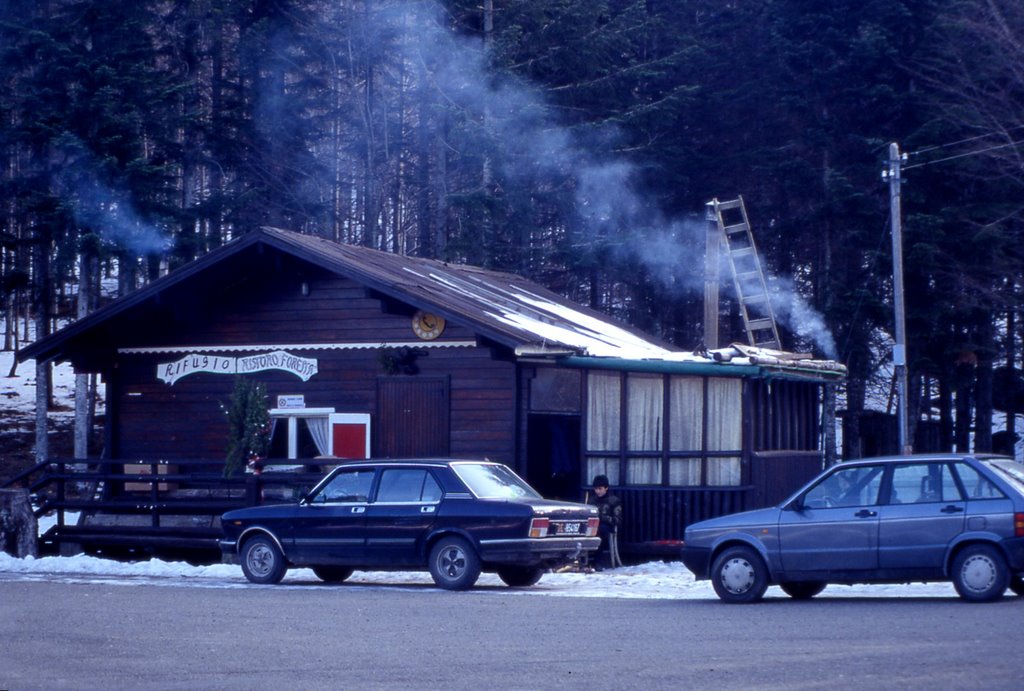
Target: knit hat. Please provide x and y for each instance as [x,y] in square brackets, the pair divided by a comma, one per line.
[601,481]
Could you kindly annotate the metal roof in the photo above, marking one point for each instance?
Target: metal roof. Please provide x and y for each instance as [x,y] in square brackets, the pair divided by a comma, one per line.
[505,308]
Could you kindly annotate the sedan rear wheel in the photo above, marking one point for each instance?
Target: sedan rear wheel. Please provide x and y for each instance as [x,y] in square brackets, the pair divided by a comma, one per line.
[332,574]
[802,590]
[980,573]
[262,561]
[454,564]
[520,576]
[739,575]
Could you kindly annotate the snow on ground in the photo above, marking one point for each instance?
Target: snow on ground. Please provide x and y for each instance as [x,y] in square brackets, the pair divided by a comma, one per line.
[650,581]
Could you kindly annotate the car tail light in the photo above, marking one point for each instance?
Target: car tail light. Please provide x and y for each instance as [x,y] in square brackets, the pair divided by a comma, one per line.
[592,524]
[1018,524]
[539,527]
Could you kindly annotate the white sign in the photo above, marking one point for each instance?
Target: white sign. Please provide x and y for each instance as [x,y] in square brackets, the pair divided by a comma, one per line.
[292,401]
[301,367]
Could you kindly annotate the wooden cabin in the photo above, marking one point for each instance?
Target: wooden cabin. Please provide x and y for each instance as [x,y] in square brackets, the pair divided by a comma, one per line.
[366,353]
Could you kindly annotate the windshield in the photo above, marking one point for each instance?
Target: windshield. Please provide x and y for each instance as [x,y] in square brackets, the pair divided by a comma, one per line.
[491,481]
[1011,471]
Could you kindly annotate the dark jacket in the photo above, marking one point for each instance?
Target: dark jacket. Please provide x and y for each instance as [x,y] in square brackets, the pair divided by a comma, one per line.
[609,507]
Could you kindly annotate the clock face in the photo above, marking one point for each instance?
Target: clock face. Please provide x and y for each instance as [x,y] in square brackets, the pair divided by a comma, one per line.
[427,326]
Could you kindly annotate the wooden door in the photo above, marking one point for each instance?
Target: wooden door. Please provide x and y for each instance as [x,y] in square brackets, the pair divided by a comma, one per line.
[413,417]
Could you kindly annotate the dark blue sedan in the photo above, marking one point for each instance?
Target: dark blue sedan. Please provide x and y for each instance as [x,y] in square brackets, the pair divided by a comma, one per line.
[956,518]
[455,518]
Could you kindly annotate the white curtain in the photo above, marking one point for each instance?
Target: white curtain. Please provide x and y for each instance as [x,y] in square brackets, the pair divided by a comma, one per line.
[644,413]
[686,401]
[724,471]
[725,430]
[684,471]
[643,471]
[603,403]
[725,414]
[319,429]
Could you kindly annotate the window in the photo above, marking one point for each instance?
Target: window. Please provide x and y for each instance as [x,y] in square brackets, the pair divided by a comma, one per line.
[653,427]
[347,486]
[857,486]
[922,483]
[644,415]
[725,430]
[977,485]
[299,432]
[407,485]
[685,429]
[603,408]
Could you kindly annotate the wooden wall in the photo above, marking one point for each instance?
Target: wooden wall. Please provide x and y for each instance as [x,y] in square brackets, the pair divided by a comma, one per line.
[265,306]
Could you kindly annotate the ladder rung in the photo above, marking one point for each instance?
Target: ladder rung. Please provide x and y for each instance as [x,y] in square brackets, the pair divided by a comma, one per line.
[742,252]
[742,276]
[733,204]
[736,228]
[760,324]
[755,297]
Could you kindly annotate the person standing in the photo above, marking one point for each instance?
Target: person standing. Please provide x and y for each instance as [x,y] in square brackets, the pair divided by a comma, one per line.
[609,508]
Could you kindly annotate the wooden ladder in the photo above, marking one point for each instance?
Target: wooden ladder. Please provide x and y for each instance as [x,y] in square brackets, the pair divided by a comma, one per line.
[747,274]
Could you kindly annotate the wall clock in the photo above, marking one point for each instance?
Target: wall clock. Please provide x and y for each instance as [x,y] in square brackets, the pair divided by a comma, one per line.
[426,325]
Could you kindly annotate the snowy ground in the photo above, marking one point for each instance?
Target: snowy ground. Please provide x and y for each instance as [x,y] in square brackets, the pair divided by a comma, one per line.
[652,581]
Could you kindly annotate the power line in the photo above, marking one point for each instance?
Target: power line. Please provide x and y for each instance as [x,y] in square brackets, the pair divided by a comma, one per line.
[964,141]
[963,155]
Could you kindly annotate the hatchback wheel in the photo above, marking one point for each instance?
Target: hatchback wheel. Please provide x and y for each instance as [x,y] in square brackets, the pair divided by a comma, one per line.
[520,576]
[739,575]
[980,573]
[802,590]
[262,561]
[454,564]
[332,574]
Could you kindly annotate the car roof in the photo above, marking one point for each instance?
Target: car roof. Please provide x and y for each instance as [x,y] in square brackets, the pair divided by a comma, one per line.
[436,462]
[922,457]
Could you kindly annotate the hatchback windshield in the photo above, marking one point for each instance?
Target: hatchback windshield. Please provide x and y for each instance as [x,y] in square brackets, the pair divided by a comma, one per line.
[489,481]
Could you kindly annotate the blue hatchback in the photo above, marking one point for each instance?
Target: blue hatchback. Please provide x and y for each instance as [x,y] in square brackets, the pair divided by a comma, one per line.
[899,519]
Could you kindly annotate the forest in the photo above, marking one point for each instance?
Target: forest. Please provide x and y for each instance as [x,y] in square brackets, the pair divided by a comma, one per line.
[575,142]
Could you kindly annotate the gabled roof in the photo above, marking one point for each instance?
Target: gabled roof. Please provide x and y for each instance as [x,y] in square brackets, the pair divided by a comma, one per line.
[504,308]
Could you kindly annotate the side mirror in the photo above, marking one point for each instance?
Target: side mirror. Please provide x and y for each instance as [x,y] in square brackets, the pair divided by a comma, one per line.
[303,495]
[796,505]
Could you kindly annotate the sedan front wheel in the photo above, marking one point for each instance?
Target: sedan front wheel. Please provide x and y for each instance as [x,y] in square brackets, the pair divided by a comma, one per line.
[454,564]
[262,561]
[739,575]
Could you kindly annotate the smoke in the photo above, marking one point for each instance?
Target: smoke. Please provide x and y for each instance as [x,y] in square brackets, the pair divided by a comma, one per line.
[101,208]
[792,309]
[612,210]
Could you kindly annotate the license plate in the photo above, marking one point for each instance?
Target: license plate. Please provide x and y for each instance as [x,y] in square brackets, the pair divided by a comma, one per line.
[571,528]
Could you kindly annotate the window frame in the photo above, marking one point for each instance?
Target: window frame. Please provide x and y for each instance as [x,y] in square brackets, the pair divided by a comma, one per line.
[602,461]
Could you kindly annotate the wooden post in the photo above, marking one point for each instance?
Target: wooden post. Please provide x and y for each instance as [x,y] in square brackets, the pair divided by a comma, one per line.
[713,242]
[19,531]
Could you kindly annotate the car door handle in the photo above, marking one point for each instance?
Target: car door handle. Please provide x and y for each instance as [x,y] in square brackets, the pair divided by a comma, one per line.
[358,509]
[427,509]
[865,513]
[952,508]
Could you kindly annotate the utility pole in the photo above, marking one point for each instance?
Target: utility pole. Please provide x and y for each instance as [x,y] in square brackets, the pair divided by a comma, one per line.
[899,350]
